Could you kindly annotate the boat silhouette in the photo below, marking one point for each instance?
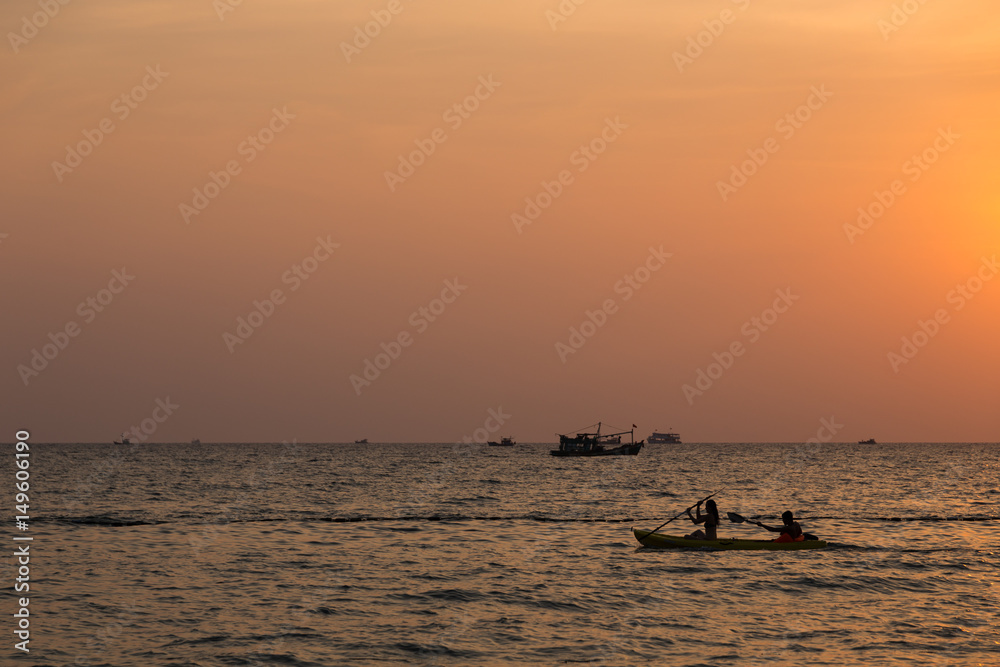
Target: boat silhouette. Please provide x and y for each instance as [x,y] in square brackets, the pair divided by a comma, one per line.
[669,438]
[586,443]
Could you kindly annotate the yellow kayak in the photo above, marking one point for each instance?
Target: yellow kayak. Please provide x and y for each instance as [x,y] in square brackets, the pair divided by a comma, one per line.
[670,542]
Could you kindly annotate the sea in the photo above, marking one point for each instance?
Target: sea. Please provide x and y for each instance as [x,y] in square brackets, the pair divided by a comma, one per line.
[464,554]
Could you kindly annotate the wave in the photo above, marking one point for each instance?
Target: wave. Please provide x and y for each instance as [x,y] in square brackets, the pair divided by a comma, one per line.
[99,521]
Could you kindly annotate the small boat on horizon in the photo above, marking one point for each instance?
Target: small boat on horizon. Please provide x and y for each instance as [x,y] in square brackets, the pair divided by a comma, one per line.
[362,441]
[869,441]
[587,443]
[196,441]
[670,438]
[504,442]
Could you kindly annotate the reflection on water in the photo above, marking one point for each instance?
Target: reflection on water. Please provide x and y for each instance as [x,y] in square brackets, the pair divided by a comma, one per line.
[321,554]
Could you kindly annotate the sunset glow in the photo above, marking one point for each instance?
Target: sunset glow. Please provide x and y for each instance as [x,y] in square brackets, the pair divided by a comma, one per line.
[535,157]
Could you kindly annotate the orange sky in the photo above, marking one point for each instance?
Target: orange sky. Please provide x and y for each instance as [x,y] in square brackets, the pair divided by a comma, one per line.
[664,130]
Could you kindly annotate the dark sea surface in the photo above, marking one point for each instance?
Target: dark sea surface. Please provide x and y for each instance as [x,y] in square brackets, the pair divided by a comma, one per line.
[437,554]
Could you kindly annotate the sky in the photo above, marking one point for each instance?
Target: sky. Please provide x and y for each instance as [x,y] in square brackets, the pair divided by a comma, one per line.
[407,221]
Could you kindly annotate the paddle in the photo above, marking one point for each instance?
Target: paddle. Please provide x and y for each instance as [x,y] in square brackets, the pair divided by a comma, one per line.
[681,514]
[737,518]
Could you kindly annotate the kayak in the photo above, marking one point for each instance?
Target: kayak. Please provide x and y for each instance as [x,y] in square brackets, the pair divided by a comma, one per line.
[668,541]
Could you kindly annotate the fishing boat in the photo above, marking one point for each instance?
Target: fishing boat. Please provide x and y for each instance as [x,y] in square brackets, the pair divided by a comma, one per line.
[664,438]
[587,443]
[869,441]
[504,442]
[196,441]
[124,440]
[362,441]
[725,544]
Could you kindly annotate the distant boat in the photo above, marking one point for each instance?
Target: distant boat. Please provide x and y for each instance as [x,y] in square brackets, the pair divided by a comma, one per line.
[196,441]
[362,441]
[664,438]
[869,441]
[504,442]
[593,444]
[124,440]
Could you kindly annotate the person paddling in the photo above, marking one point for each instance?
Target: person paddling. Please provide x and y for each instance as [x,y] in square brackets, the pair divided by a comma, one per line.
[790,531]
[710,519]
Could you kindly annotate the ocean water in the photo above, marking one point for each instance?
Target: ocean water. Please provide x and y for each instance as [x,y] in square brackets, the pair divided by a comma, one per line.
[438,554]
